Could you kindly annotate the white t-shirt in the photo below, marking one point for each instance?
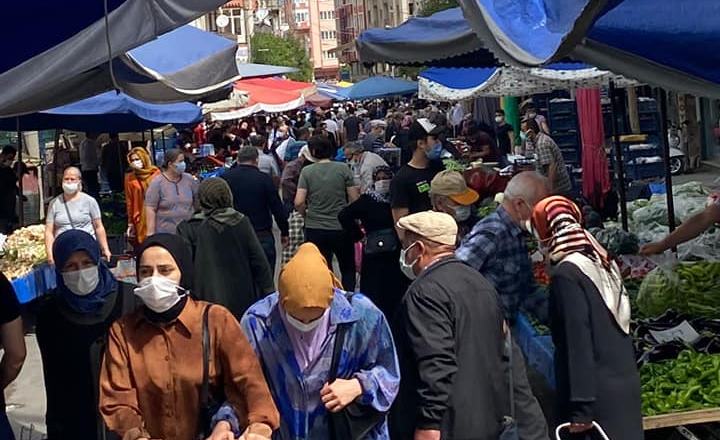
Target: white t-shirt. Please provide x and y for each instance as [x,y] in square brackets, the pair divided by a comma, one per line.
[83,211]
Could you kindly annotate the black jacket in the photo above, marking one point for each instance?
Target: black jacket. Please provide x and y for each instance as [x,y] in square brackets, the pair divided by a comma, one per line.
[450,342]
[72,352]
[255,195]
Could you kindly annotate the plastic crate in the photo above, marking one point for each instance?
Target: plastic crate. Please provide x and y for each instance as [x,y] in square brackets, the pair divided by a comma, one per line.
[568,139]
[647,105]
[563,107]
[646,170]
[563,123]
[539,350]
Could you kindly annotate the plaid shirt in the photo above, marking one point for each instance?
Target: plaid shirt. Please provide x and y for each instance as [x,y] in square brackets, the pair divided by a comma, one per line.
[547,152]
[496,248]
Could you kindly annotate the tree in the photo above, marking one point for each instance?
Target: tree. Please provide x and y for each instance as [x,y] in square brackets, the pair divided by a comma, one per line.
[268,48]
[429,7]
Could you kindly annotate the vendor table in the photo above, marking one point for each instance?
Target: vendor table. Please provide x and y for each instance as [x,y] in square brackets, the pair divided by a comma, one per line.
[539,353]
[35,283]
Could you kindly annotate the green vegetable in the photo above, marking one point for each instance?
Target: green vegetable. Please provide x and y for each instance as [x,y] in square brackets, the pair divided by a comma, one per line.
[692,288]
[454,165]
[692,381]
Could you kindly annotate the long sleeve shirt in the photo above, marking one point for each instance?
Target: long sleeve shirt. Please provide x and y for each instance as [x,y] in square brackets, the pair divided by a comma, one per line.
[152,375]
[255,195]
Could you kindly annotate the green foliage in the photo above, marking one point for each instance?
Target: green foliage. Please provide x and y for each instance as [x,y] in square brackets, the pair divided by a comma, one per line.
[267,48]
[429,7]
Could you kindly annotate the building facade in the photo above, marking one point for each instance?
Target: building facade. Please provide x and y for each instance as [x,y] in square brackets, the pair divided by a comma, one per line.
[313,22]
[354,16]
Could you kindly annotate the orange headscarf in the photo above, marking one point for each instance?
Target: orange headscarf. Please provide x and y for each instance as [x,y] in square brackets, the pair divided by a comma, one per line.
[148,170]
[306,281]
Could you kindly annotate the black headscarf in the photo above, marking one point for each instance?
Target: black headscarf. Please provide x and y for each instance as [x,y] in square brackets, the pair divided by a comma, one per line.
[178,248]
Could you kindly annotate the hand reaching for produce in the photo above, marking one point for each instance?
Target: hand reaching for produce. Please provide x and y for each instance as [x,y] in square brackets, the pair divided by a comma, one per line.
[652,249]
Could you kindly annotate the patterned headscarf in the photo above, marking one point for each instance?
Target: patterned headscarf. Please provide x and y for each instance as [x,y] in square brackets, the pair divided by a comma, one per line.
[148,170]
[378,197]
[557,221]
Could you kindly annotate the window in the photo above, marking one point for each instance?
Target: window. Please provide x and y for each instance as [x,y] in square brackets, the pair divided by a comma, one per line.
[236,21]
[301,17]
[328,55]
[327,35]
[327,15]
[411,8]
[210,21]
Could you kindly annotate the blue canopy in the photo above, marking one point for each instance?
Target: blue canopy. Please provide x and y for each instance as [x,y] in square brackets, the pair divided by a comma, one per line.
[57,46]
[332,91]
[379,87]
[107,112]
[664,43]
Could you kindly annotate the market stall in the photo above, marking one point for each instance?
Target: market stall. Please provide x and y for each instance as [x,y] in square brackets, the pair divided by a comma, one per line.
[270,95]
[379,87]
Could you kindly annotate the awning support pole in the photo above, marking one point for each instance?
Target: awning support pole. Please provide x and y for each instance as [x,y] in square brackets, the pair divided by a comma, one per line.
[619,165]
[661,97]
[21,211]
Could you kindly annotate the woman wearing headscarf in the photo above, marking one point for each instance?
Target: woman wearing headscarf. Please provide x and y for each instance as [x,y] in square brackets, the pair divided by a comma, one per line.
[380,276]
[153,369]
[137,180]
[230,263]
[294,333]
[72,326]
[597,379]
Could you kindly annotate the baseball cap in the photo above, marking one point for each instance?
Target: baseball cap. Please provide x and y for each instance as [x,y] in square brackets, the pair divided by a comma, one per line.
[452,184]
[434,226]
[422,128]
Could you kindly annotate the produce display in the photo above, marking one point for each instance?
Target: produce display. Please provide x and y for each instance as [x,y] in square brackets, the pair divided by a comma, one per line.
[23,249]
[617,241]
[689,382]
[691,288]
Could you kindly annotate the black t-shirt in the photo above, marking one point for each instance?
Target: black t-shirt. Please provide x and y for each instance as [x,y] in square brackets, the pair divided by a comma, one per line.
[352,128]
[8,192]
[9,305]
[410,188]
[501,132]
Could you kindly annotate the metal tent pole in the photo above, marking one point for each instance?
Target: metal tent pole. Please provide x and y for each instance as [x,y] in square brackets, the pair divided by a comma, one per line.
[21,211]
[619,165]
[661,98]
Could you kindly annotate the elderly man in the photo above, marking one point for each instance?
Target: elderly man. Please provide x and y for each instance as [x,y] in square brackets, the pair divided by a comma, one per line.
[363,164]
[496,248]
[376,137]
[549,158]
[450,194]
[450,340]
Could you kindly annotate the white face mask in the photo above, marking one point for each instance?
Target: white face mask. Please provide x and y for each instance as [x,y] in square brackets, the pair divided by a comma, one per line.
[70,187]
[382,186]
[302,326]
[532,115]
[499,119]
[462,213]
[137,164]
[158,293]
[82,282]
[405,267]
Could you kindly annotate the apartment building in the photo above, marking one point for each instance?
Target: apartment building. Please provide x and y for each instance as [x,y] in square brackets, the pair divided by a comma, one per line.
[314,23]
[354,16]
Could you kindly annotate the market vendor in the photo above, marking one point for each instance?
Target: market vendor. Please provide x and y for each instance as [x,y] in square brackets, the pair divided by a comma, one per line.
[74,209]
[595,372]
[688,230]
[450,194]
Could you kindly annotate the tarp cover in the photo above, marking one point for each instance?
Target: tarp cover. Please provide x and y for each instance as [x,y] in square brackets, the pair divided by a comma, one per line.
[107,112]
[379,87]
[56,51]
[270,95]
[455,84]
[663,43]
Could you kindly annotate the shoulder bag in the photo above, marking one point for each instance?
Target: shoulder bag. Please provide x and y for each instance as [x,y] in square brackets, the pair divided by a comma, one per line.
[356,421]
[208,405]
[67,211]
[509,429]
[381,241]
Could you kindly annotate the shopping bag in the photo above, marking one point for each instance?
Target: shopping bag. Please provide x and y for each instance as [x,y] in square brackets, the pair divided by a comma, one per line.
[596,427]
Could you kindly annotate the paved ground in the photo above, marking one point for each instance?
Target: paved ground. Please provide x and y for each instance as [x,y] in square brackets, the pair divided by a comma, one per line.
[26,396]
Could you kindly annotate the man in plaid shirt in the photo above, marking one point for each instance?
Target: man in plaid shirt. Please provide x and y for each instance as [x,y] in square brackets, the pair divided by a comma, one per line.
[496,245]
[549,158]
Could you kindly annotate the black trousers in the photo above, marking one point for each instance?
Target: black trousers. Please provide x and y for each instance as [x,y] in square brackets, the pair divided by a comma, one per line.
[91,182]
[336,243]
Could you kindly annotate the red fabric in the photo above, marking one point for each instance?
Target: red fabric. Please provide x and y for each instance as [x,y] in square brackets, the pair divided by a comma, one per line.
[273,91]
[595,176]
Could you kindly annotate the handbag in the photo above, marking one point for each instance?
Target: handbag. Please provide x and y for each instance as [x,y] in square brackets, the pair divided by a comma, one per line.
[355,421]
[381,241]
[509,430]
[596,426]
[208,405]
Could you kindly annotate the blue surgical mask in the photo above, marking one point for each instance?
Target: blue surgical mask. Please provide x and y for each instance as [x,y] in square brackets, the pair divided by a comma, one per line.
[180,167]
[435,152]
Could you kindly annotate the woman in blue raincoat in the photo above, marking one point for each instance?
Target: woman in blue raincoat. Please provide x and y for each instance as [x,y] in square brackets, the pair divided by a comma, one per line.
[293,332]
